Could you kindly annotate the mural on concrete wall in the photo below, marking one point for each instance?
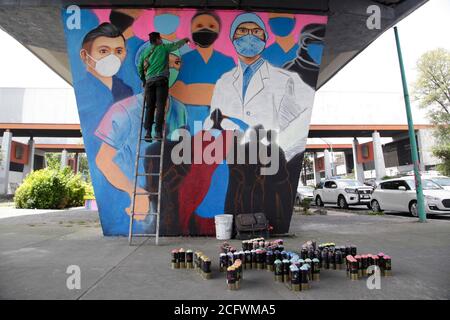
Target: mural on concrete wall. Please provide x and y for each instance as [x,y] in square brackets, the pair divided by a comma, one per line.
[241,71]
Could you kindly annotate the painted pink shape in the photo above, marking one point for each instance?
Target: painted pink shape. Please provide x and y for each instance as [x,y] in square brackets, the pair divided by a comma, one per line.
[102,14]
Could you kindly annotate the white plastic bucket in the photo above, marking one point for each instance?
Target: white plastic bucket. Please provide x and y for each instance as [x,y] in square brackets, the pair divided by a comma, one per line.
[224,226]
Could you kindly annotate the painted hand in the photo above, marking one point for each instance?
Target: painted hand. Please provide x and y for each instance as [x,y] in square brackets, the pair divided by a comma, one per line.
[142,205]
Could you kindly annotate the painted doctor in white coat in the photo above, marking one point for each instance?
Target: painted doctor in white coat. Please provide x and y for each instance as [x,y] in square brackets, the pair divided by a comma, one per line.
[258,93]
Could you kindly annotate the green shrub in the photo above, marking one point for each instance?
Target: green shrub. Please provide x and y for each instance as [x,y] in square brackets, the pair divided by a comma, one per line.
[50,189]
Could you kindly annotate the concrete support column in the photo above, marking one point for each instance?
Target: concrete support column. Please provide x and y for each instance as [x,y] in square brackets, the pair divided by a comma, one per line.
[358,167]
[316,174]
[30,166]
[64,159]
[77,159]
[5,160]
[327,160]
[378,157]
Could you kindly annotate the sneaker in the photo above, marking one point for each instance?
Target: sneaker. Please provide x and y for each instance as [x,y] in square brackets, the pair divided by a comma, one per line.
[148,137]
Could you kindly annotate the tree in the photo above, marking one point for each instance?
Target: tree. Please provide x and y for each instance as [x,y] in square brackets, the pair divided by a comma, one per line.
[53,160]
[432,90]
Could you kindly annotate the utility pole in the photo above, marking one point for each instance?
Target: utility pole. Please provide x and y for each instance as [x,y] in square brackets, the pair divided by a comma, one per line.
[412,135]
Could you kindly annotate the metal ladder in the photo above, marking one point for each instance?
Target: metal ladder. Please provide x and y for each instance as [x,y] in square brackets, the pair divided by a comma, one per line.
[138,174]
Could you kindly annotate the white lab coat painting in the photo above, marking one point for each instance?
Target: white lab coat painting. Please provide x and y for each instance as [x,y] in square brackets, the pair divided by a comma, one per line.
[275,98]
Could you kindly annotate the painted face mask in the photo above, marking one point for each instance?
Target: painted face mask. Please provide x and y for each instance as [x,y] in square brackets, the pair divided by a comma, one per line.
[315,52]
[204,37]
[166,23]
[282,26]
[107,66]
[249,45]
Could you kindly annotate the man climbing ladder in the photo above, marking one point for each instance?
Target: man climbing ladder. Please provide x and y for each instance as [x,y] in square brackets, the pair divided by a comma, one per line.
[153,70]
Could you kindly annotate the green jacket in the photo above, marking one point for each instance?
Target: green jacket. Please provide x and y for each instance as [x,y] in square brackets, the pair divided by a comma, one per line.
[157,58]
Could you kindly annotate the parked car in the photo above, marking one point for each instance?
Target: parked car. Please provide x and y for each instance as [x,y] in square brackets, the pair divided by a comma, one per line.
[399,195]
[304,192]
[343,192]
[443,181]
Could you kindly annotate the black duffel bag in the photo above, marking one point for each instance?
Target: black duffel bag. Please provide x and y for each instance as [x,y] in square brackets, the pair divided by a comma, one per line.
[249,225]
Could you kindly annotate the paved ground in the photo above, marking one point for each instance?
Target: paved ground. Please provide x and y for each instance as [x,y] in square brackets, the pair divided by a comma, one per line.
[36,250]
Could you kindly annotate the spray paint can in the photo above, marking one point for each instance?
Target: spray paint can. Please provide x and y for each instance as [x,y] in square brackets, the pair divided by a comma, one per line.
[269,261]
[354,269]
[364,264]
[254,263]
[348,260]
[197,260]
[248,260]
[387,272]
[353,250]
[308,261]
[278,270]
[182,257]
[175,263]
[231,278]
[223,262]
[206,268]
[316,269]
[189,259]
[338,259]
[325,261]
[358,260]
[286,263]
[304,277]
[331,260]
[295,278]
[259,259]
[381,261]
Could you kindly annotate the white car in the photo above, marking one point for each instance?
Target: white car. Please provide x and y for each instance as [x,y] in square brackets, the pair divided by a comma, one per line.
[343,192]
[443,181]
[400,195]
[304,192]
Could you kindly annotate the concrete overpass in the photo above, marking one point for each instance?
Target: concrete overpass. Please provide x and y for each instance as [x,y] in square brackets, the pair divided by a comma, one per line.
[37,24]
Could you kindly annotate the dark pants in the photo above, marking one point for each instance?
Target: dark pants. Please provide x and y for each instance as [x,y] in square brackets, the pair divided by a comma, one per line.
[156,92]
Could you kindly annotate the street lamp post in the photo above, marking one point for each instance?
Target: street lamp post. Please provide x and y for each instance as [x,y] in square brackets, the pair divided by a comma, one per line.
[412,136]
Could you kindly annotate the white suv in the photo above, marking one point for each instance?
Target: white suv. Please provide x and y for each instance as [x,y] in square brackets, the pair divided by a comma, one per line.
[400,195]
[343,192]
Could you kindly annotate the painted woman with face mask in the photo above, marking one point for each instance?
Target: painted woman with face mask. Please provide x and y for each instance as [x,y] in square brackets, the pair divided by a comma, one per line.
[285,47]
[201,68]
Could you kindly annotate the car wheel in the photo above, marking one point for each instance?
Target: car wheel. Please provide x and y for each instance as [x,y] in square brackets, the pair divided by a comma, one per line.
[342,203]
[375,206]
[319,202]
[413,209]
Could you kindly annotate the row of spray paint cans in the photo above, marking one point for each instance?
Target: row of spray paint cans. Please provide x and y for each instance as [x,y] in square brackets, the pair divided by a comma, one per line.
[260,254]
[336,257]
[187,259]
